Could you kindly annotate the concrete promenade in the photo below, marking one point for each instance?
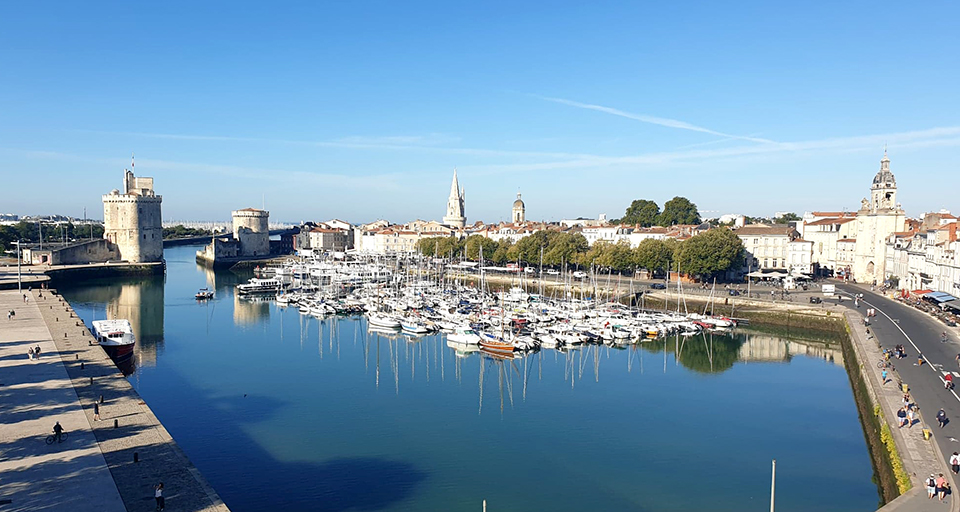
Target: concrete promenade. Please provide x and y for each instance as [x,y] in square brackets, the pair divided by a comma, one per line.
[128,426]
[897,324]
[34,394]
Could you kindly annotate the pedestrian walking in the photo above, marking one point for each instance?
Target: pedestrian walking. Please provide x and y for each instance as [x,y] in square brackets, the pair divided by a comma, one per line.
[931,486]
[96,411]
[911,415]
[30,353]
[883,374]
[955,463]
[901,417]
[948,381]
[158,494]
[36,350]
[942,418]
[941,487]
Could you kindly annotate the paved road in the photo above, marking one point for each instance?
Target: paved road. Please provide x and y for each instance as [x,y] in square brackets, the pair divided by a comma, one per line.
[897,323]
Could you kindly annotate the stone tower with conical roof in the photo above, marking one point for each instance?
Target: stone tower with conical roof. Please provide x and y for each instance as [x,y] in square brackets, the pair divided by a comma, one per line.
[455,216]
[878,218]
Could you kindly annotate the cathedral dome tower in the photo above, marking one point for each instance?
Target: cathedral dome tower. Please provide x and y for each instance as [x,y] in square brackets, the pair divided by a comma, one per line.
[519,211]
[883,191]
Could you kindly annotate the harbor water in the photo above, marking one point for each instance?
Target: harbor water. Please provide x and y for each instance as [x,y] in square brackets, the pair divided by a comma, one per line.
[283,410]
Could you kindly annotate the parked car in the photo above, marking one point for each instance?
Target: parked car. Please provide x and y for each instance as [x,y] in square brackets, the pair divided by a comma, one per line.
[815,300]
[530,270]
[733,293]
[658,286]
[551,272]
[580,274]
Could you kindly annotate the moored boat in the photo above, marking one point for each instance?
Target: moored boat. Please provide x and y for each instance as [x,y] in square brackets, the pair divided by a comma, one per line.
[116,337]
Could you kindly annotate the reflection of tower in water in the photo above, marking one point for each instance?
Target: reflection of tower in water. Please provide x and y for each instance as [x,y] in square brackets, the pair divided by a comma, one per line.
[141,303]
[250,310]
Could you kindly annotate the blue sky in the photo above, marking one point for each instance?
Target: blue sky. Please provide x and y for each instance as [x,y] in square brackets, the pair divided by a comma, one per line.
[361,110]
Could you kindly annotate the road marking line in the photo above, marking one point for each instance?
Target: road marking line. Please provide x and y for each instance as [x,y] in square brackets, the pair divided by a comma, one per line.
[904,333]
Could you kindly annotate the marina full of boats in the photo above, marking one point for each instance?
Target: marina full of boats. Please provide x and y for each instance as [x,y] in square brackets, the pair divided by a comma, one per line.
[505,322]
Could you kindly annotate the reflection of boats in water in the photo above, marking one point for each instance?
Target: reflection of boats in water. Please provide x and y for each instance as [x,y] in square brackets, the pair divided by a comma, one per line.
[497,354]
[383,332]
[461,349]
[127,366]
[204,294]
[116,337]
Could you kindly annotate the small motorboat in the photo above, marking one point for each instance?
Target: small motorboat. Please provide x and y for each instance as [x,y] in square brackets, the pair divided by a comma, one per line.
[204,294]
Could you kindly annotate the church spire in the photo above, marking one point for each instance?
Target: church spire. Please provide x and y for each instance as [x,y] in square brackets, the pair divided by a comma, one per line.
[455,216]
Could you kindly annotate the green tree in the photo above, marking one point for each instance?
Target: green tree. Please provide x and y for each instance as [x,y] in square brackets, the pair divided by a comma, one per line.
[654,255]
[679,210]
[500,255]
[474,244]
[641,211]
[565,248]
[710,253]
[786,217]
[447,247]
[427,246]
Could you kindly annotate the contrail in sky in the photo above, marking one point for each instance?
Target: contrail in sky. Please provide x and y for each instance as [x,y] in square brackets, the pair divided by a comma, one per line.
[661,121]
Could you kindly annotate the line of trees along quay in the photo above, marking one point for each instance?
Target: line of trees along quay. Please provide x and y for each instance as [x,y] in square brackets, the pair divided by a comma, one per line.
[710,254]
[181,231]
[30,232]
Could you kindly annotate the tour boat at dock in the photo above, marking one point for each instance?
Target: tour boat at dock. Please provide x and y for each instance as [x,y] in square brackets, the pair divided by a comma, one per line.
[116,337]
[260,286]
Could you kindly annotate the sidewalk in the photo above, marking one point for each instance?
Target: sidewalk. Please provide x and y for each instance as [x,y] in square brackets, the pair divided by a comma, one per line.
[920,457]
[34,394]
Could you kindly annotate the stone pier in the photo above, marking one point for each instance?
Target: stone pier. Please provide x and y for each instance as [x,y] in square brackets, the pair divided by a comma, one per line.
[96,467]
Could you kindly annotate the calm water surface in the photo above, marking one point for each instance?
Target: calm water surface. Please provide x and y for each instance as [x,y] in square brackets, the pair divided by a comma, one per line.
[278,409]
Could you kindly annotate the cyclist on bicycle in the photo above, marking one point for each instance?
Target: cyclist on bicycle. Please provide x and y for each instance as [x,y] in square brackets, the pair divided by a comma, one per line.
[58,431]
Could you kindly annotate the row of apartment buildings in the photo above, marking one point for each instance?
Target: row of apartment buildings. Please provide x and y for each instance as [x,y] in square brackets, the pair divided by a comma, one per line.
[869,245]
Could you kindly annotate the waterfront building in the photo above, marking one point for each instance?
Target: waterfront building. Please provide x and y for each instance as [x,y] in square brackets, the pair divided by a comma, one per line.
[926,258]
[132,220]
[832,235]
[455,216]
[519,214]
[878,218]
[333,235]
[775,248]
[326,239]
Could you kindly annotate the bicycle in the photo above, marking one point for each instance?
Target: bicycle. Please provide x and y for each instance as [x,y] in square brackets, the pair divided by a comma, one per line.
[52,438]
[884,364]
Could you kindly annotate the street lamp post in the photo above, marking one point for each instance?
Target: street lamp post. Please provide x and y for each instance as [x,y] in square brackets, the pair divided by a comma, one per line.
[19,281]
